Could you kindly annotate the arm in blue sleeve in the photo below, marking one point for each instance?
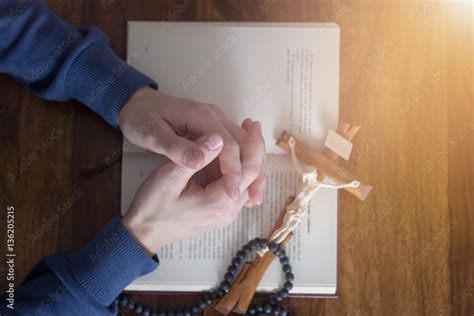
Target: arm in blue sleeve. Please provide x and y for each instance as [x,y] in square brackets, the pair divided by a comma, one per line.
[56,61]
[85,282]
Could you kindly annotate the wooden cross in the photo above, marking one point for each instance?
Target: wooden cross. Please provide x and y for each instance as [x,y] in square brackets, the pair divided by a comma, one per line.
[242,291]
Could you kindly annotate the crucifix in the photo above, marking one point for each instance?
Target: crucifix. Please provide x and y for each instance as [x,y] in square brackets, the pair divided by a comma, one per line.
[320,166]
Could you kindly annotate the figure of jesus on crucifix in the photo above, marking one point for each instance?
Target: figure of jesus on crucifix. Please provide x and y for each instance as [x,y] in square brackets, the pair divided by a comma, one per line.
[308,187]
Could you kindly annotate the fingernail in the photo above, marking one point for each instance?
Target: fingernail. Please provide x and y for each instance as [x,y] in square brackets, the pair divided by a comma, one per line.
[213,142]
[192,157]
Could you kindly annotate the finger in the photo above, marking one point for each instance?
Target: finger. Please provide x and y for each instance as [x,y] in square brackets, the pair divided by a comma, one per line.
[233,136]
[229,160]
[180,150]
[257,187]
[222,208]
[230,166]
[246,124]
[177,176]
[252,155]
[233,210]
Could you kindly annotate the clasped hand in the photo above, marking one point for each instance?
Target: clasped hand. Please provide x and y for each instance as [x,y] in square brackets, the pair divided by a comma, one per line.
[198,138]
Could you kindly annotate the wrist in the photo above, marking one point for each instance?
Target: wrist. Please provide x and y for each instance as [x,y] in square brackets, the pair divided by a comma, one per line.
[137,97]
[142,235]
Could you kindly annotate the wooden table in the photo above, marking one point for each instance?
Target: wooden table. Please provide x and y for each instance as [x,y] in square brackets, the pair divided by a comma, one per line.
[406,76]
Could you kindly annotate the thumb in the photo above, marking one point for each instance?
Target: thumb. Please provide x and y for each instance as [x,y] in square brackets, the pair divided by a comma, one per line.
[180,150]
[178,176]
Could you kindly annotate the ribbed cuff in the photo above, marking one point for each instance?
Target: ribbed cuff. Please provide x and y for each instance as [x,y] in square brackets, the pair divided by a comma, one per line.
[101,80]
[109,263]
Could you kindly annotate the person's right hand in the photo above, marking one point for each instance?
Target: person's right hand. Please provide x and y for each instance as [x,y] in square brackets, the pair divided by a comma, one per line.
[171,206]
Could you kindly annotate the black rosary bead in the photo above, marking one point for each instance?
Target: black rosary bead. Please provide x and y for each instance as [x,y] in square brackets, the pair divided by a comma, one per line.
[146,312]
[220,292]
[278,296]
[214,295]
[240,255]
[232,269]
[251,310]
[272,247]
[259,307]
[138,308]
[276,310]
[281,253]
[264,244]
[267,308]
[284,260]
[246,249]
[286,268]
[123,301]
[288,286]
[253,246]
[187,312]
[278,253]
[225,286]
[289,276]
[195,308]
[236,262]
[229,277]
[202,305]
[131,305]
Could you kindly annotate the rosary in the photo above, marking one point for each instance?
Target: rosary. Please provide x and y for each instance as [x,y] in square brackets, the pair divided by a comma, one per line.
[235,293]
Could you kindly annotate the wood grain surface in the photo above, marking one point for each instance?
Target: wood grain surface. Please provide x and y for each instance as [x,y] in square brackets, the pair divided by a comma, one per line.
[406,78]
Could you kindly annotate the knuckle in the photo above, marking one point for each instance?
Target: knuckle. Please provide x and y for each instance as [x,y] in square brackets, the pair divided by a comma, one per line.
[231,145]
[204,108]
[149,142]
[218,208]
[173,175]
[166,147]
[229,218]
[252,169]
[209,109]
[221,208]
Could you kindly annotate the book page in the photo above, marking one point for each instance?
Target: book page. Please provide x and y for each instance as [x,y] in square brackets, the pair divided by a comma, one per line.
[286,77]
[199,263]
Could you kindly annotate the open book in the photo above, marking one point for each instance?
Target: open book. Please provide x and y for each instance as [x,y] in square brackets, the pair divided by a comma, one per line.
[286,75]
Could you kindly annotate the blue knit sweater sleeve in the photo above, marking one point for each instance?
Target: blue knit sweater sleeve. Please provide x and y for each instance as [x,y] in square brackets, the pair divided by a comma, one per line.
[57,61]
[85,282]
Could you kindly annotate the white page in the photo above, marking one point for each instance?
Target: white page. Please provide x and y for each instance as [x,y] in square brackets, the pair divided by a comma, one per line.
[286,76]
[246,68]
